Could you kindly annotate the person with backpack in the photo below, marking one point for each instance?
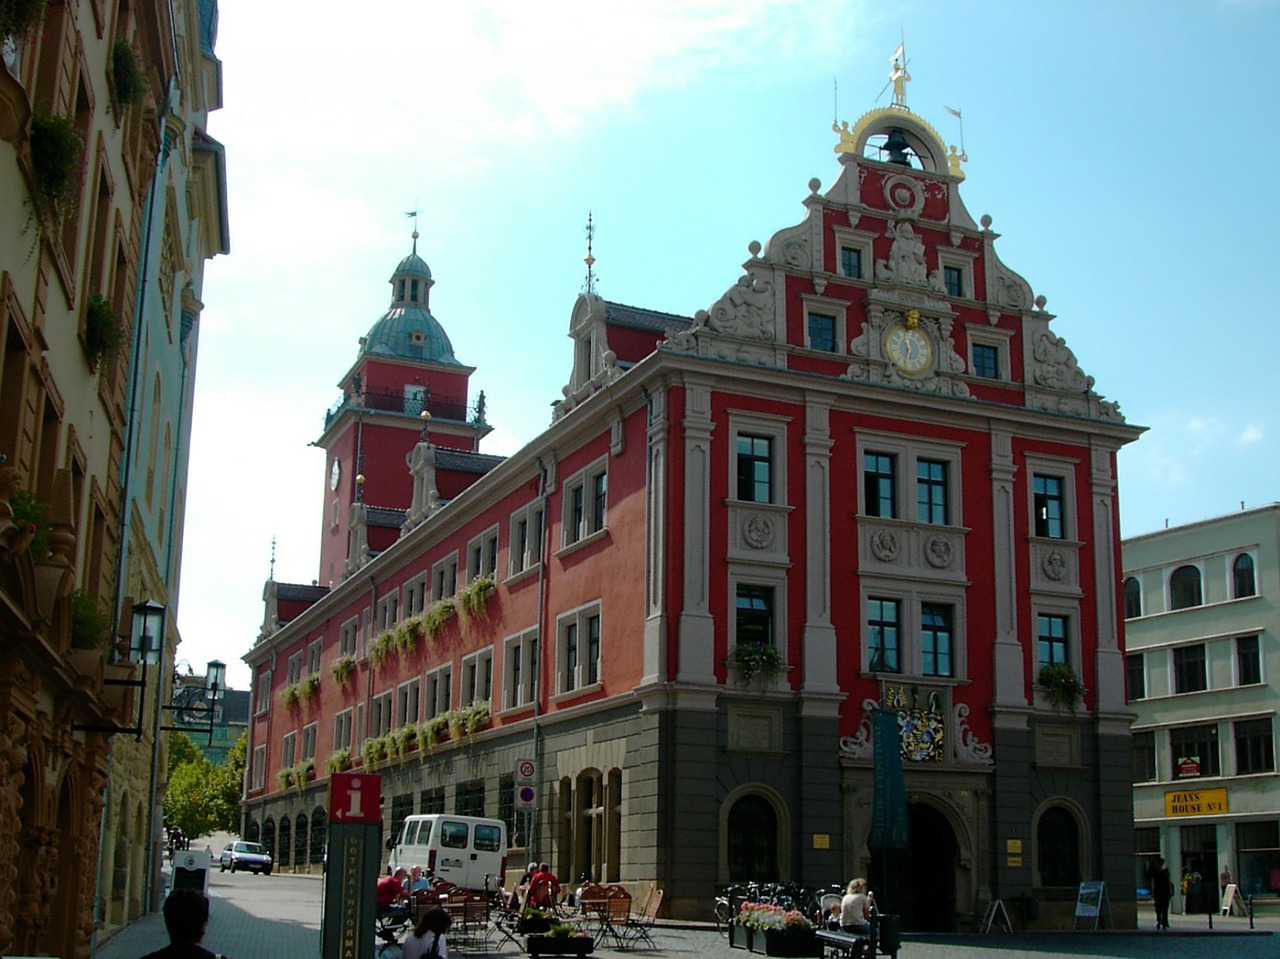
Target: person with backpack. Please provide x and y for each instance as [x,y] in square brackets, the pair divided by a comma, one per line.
[427,940]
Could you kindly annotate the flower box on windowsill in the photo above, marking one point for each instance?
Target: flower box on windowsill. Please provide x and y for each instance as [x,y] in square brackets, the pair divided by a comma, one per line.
[559,945]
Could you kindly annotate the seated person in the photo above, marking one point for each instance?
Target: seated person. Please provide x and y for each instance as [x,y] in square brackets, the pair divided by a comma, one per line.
[416,881]
[390,894]
[855,908]
[544,888]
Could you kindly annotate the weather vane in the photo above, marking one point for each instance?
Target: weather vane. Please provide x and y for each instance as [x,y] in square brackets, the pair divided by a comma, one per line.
[589,285]
[414,213]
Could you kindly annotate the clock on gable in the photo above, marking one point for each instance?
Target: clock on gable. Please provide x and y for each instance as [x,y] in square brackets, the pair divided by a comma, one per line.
[907,346]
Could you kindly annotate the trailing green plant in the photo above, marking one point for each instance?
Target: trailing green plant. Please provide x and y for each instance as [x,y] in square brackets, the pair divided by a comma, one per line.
[339,761]
[473,597]
[404,739]
[437,614]
[56,147]
[381,647]
[127,78]
[405,635]
[376,749]
[756,659]
[562,930]
[343,668]
[289,696]
[434,730]
[90,626]
[284,778]
[19,18]
[302,772]
[1062,687]
[473,716]
[103,334]
[30,512]
[309,687]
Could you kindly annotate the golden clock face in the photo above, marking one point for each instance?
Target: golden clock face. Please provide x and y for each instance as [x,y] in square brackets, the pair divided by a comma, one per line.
[908,349]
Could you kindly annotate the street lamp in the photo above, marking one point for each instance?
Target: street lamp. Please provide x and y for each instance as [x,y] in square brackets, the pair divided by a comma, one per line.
[191,704]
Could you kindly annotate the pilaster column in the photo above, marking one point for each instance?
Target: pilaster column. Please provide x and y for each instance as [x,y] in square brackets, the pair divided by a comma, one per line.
[697,626]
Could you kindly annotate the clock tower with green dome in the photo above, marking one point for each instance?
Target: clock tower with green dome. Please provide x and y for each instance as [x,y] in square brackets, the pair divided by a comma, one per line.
[404,397]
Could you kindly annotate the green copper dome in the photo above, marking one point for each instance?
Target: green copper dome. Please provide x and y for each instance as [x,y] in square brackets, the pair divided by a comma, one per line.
[408,330]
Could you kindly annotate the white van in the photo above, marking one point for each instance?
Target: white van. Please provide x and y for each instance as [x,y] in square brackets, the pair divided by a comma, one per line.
[463,849]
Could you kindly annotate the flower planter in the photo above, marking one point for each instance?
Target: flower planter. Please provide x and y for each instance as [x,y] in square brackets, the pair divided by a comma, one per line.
[559,945]
[774,942]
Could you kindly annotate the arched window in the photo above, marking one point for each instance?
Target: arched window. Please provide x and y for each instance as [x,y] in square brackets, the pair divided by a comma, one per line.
[1058,848]
[301,834]
[753,841]
[286,840]
[1132,598]
[319,830]
[253,831]
[1184,588]
[269,835]
[1242,581]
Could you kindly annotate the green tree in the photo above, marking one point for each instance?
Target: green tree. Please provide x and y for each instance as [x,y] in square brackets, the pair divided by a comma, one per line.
[202,797]
[182,750]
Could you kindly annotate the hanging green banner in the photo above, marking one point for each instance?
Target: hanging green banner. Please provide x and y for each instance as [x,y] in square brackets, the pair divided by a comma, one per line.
[889,802]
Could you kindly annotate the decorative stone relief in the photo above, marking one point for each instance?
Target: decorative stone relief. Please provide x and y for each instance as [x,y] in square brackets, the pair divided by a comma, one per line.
[1054,565]
[938,552]
[795,253]
[754,729]
[757,531]
[745,310]
[904,194]
[905,264]
[1055,365]
[884,546]
[858,746]
[968,748]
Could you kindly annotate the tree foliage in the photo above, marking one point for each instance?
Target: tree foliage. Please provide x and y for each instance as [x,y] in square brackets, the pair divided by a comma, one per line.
[203,798]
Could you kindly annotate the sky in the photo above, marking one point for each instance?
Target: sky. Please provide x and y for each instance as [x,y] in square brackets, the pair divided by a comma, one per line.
[1125,151]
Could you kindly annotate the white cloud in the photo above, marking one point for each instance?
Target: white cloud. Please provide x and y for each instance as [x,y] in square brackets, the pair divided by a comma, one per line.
[1251,434]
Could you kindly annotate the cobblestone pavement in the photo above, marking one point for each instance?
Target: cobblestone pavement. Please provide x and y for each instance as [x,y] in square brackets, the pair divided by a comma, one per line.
[259,916]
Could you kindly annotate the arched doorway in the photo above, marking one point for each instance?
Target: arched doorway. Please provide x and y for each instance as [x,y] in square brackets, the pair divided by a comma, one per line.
[919,882]
[753,840]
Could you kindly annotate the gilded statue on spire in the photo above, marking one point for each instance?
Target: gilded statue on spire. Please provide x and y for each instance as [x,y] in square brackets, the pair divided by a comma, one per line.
[899,77]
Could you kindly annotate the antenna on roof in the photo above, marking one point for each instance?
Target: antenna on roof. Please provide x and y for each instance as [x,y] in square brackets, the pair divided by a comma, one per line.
[589,285]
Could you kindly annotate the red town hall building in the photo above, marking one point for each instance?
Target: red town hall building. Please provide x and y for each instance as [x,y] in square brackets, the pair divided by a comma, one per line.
[869,475]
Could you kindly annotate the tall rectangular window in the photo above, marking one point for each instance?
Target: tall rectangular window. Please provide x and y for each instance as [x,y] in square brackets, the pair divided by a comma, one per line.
[1255,751]
[953,277]
[570,656]
[879,471]
[342,730]
[851,262]
[585,503]
[882,636]
[1144,757]
[755,468]
[935,639]
[1248,662]
[1194,747]
[754,617]
[593,650]
[1048,507]
[931,492]
[1051,639]
[520,670]
[822,332]
[986,361]
[1136,675]
[1189,669]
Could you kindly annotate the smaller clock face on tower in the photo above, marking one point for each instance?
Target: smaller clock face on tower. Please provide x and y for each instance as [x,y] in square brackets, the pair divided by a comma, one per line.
[907,348]
[335,474]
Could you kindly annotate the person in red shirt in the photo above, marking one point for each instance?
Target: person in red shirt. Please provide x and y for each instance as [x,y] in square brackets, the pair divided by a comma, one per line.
[390,892]
[544,888]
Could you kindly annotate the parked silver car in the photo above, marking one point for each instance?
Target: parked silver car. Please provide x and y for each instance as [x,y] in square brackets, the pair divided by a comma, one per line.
[245,855]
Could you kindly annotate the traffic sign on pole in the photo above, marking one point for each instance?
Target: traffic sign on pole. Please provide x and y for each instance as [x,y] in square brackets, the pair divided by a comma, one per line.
[525,795]
[526,770]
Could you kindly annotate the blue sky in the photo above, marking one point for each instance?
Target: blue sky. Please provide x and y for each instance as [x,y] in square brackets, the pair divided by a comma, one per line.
[1126,152]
